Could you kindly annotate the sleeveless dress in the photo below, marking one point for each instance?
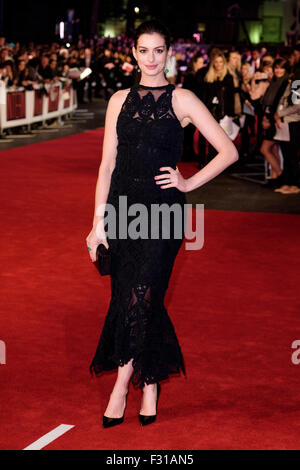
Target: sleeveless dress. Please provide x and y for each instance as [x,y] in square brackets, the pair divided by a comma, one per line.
[137,324]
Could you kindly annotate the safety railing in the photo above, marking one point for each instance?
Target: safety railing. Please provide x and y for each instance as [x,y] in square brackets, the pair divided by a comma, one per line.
[20,107]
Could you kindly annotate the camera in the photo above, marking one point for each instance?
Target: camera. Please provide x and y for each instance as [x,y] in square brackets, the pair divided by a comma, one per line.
[261,77]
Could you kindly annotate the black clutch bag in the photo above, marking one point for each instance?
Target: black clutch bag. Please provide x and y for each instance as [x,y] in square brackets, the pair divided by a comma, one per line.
[103,259]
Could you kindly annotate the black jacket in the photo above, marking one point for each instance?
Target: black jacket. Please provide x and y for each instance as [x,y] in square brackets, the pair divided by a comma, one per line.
[219,97]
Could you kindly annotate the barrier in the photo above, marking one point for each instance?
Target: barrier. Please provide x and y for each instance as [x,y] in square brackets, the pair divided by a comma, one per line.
[20,107]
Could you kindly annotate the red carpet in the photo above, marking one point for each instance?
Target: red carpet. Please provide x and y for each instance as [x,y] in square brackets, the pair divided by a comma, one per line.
[234,305]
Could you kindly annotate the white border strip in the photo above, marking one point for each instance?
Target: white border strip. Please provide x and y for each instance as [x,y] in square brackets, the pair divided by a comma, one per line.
[49,437]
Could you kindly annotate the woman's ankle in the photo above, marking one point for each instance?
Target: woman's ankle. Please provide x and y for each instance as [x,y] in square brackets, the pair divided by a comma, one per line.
[149,387]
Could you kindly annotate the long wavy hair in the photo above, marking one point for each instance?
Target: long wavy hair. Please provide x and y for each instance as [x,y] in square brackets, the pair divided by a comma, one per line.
[211,75]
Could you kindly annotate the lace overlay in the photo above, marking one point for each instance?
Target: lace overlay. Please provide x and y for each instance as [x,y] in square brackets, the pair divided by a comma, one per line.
[137,325]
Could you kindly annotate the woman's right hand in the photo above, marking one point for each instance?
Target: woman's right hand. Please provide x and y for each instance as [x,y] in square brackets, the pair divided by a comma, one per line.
[93,240]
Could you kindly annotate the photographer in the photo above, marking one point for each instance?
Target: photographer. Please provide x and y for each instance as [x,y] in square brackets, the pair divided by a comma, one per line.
[259,85]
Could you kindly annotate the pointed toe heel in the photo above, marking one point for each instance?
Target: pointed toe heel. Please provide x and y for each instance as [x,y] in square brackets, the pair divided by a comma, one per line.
[144,419]
[108,422]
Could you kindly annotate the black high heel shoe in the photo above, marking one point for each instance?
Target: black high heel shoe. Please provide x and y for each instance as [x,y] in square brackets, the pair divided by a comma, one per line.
[109,422]
[151,418]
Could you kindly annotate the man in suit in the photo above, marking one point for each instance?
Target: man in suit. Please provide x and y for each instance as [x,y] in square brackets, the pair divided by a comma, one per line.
[86,60]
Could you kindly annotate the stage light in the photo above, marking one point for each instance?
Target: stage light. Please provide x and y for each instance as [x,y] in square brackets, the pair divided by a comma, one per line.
[68,44]
[109,32]
[61,30]
[137,10]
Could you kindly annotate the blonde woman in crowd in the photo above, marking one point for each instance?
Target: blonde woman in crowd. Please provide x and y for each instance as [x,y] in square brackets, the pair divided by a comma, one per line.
[234,68]
[218,90]
[248,128]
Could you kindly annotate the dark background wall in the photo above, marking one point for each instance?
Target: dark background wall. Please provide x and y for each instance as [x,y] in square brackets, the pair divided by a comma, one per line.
[36,19]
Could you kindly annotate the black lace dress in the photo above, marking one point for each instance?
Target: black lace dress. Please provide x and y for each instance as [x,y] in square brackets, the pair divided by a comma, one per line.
[137,324]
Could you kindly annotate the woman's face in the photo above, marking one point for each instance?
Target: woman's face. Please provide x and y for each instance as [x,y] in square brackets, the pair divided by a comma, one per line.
[296,55]
[244,70]
[199,63]
[292,60]
[22,65]
[269,71]
[218,64]
[151,54]
[234,60]
[279,71]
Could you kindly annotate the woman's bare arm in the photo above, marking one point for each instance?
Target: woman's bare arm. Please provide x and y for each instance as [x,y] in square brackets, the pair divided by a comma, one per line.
[109,152]
[187,105]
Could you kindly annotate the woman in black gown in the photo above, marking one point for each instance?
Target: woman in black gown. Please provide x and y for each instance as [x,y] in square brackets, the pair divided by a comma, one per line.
[142,145]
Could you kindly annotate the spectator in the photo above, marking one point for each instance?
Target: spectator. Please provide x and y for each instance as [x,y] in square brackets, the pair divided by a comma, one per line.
[219,88]
[218,91]
[288,112]
[33,66]
[248,129]
[296,66]
[2,40]
[270,101]
[193,81]
[6,74]
[21,78]
[254,60]
[259,84]
[234,68]
[45,70]
[54,69]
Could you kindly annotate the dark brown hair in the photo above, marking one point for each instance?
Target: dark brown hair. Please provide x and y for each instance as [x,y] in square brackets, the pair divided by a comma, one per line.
[282,63]
[152,26]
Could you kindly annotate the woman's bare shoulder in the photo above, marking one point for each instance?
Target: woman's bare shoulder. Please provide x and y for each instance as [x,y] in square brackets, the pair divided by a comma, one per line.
[119,96]
[184,94]
[183,99]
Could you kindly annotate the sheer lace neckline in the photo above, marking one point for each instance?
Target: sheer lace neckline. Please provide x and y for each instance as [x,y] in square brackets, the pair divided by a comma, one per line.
[153,87]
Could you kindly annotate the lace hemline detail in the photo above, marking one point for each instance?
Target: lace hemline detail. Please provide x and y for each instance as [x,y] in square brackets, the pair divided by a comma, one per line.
[138,379]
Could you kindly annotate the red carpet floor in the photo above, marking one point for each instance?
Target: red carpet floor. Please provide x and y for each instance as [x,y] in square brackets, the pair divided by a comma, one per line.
[234,305]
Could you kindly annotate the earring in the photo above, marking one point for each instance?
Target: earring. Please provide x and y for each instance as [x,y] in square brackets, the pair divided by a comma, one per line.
[166,71]
[138,69]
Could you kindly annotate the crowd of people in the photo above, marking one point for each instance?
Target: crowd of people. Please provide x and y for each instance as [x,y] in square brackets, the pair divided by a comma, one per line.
[254,88]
